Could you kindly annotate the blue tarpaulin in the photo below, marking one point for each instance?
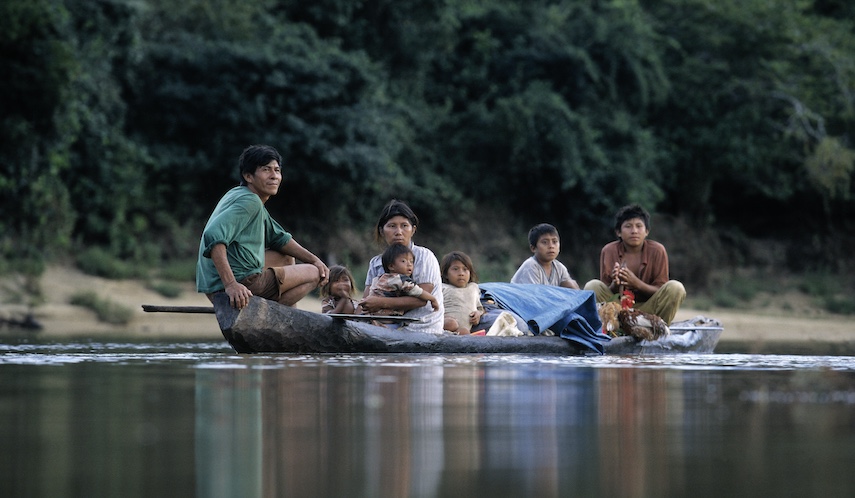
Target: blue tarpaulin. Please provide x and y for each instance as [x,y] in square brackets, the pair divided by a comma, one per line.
[572,314]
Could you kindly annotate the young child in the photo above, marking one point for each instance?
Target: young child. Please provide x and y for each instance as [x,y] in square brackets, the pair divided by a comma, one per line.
[542,267]
[337,293]
[462,298]
[634,263]
[397,281]
[461,295]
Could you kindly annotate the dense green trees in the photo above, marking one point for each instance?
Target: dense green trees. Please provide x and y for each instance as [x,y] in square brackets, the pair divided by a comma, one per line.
[121,120]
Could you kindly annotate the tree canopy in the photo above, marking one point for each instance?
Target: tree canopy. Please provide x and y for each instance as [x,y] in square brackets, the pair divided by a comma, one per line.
[122,120]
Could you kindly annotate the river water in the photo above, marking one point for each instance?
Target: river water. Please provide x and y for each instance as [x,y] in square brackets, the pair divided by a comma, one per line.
[129,419]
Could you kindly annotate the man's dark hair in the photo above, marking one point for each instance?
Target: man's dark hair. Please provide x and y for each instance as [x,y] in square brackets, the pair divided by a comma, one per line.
[539,231]
[392,253]
[254,157]
[630,212]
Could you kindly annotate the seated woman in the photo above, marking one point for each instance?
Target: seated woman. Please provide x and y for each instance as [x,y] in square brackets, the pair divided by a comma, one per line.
[397,225]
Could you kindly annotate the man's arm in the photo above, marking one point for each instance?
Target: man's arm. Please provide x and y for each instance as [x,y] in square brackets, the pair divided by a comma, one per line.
[238,293]
[630,279]
[655,275]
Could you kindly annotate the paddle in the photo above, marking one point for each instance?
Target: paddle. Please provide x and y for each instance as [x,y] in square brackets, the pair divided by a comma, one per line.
[697,327]
[153,308]
[177,309]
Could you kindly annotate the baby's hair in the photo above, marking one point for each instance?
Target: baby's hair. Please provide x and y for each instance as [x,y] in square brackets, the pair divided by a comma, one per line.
[392,253]
[336,272]
[453,256]
[539,231]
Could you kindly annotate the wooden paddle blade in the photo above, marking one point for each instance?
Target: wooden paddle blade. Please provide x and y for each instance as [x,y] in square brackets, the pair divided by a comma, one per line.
[177,309]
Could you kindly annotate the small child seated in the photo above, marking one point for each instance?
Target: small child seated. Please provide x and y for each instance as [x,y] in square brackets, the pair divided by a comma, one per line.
[461,295]
[398,261]
[337,293]
[462,299]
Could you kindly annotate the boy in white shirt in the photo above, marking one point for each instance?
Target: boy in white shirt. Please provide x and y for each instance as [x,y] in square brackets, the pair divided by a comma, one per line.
[542,267]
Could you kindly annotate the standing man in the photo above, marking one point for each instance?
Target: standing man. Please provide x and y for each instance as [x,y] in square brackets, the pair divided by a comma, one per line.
[244,252]
[635,263]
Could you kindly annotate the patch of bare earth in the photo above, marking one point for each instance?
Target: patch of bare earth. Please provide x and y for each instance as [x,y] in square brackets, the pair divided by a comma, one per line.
[61,319]
[782,321]
[771,321]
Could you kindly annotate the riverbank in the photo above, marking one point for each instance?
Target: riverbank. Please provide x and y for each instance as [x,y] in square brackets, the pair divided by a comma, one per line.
[757,330]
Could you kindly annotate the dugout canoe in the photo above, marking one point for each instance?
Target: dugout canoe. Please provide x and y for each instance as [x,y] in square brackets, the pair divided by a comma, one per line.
[268,327]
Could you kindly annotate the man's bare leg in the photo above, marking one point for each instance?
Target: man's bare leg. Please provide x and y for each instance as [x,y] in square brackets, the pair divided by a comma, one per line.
[296,281]
[272,259]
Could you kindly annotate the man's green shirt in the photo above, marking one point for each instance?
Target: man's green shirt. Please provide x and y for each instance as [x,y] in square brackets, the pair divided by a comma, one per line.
[241,222]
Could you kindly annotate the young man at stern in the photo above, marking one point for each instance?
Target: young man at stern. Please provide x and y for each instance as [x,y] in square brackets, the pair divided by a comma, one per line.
[634,263]
[244,252]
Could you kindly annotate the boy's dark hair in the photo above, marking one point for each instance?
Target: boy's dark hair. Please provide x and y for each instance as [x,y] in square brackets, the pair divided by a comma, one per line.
[539,231]
[392,253]
[629,212]
[254,157]
[392,209]
[453,256]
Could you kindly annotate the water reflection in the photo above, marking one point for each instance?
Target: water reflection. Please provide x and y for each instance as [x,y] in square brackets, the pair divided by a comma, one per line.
[228,433]
[109,419]
[398,426]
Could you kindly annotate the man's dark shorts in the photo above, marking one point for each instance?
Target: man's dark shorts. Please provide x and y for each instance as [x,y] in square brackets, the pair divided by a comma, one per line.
[267,284]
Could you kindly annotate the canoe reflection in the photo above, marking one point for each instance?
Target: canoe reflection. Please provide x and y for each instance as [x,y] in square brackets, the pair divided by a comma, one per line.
[427,430]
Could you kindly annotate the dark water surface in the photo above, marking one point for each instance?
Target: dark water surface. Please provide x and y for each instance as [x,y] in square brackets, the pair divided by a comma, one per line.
[196,419]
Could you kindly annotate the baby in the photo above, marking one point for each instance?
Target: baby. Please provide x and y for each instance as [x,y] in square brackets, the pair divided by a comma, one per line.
[398,262]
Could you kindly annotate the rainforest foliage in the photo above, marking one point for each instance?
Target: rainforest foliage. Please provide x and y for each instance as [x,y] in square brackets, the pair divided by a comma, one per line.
[121,120]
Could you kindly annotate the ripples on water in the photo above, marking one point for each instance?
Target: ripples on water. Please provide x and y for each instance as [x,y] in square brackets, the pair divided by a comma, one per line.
[220,355]
[63,353]
[195,418]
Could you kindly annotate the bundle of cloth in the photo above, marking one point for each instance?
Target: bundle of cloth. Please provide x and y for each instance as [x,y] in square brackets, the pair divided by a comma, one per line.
[570,314]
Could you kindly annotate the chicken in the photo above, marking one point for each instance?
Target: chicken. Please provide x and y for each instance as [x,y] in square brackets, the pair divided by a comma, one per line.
[609,316]
[623,319]
[642,325]
[610,310]
[627,299]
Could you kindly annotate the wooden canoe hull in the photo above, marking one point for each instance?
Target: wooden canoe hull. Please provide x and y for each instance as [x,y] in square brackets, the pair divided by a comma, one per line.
[268,327]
